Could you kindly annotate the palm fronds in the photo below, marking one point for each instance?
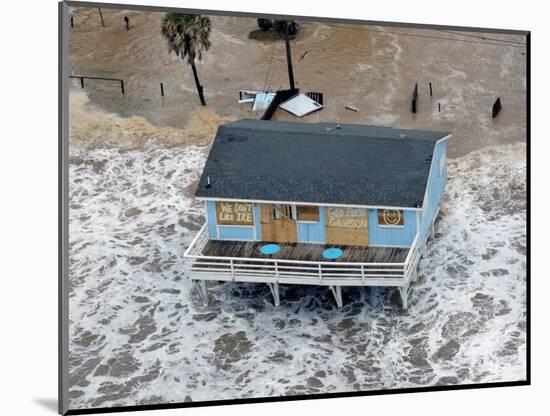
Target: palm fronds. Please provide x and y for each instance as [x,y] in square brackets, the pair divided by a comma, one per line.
[187,34]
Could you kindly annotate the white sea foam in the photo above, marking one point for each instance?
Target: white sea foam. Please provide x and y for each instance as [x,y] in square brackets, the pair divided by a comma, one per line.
[140,335]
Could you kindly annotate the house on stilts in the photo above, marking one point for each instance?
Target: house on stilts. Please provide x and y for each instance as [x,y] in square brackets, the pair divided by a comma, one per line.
[337,205]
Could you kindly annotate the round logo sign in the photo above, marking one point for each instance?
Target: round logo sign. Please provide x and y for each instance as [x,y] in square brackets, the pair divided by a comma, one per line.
[392,216]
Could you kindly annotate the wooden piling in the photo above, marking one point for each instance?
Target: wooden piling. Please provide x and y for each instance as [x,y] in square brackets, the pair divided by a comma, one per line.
[497,106]
[414,98]
[127,20]
[82,82]
[430,89]
[161,89]
[72,21]
[122,85]
[439,107]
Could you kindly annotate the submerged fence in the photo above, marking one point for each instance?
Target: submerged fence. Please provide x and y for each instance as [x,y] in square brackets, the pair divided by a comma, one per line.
[82,78]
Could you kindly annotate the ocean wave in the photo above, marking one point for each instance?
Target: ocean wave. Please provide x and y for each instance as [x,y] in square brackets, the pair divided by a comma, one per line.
[139,333]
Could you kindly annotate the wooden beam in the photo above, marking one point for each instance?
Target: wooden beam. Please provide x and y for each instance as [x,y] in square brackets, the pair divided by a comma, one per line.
[203,291]
[415,274]
[337,292]
[404,293]
[274,288]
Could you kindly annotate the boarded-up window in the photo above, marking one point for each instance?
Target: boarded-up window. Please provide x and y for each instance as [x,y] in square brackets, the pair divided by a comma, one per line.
[283,211]
[234,213]
[307,213]
[347,217]
[277,213]
[347,226]
[391,217]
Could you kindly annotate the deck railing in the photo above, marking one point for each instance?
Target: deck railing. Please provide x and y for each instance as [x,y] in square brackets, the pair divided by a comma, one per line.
[298,271]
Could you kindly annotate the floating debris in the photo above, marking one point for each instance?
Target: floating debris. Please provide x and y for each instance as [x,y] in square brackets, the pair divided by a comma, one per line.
[262,101]
[280,97]
[300,105]
[316,96]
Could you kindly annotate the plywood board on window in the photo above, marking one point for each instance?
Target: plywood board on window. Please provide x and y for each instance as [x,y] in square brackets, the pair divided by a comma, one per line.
[307,213]
[347,226]
[391,217]
[280,228]
[234,213]
[266,221]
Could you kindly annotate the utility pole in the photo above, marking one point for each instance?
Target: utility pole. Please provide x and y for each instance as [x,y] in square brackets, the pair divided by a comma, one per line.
[288,56]
[101,16]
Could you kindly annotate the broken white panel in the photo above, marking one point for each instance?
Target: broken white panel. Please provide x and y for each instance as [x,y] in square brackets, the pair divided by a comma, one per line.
[262,101]
[250,93]
[247,96]
[300,105]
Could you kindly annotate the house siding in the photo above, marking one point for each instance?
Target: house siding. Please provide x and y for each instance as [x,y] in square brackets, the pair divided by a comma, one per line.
[401,236]
[313,232]
[211,218]
[435,188]
[236,233]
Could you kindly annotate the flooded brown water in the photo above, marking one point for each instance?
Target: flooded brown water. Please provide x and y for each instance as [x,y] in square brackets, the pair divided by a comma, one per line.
[371,68]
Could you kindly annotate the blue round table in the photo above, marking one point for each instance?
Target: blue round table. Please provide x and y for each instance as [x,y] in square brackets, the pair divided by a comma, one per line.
[332,253]
[270,249]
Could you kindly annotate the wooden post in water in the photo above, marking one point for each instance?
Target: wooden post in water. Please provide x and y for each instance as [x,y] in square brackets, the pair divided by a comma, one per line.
[127,20]
[439,107]
[497,106]
[288,56]
[122,85]
[82,82]
[161,89]
[72,21]
[431,89]
[414,98]
[101,16]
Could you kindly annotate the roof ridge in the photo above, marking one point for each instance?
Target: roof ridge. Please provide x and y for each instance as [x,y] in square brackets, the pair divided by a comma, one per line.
[337,129]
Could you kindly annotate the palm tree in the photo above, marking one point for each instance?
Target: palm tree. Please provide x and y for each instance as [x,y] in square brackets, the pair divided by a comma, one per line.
[187,36]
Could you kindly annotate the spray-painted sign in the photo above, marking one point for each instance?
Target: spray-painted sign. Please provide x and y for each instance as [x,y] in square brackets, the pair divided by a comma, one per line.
[234,213]
[392,217]
[340,217]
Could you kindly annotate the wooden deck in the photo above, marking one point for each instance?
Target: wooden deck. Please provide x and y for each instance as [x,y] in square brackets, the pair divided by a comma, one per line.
[300,264]
[304,252]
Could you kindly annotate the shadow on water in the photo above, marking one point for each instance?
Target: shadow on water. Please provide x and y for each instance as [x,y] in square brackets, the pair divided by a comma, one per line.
[49,404]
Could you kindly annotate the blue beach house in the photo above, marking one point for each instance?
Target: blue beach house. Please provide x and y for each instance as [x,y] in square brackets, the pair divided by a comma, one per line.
[337,205]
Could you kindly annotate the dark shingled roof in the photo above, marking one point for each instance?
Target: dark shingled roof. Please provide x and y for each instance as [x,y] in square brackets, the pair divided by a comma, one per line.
[319,163]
